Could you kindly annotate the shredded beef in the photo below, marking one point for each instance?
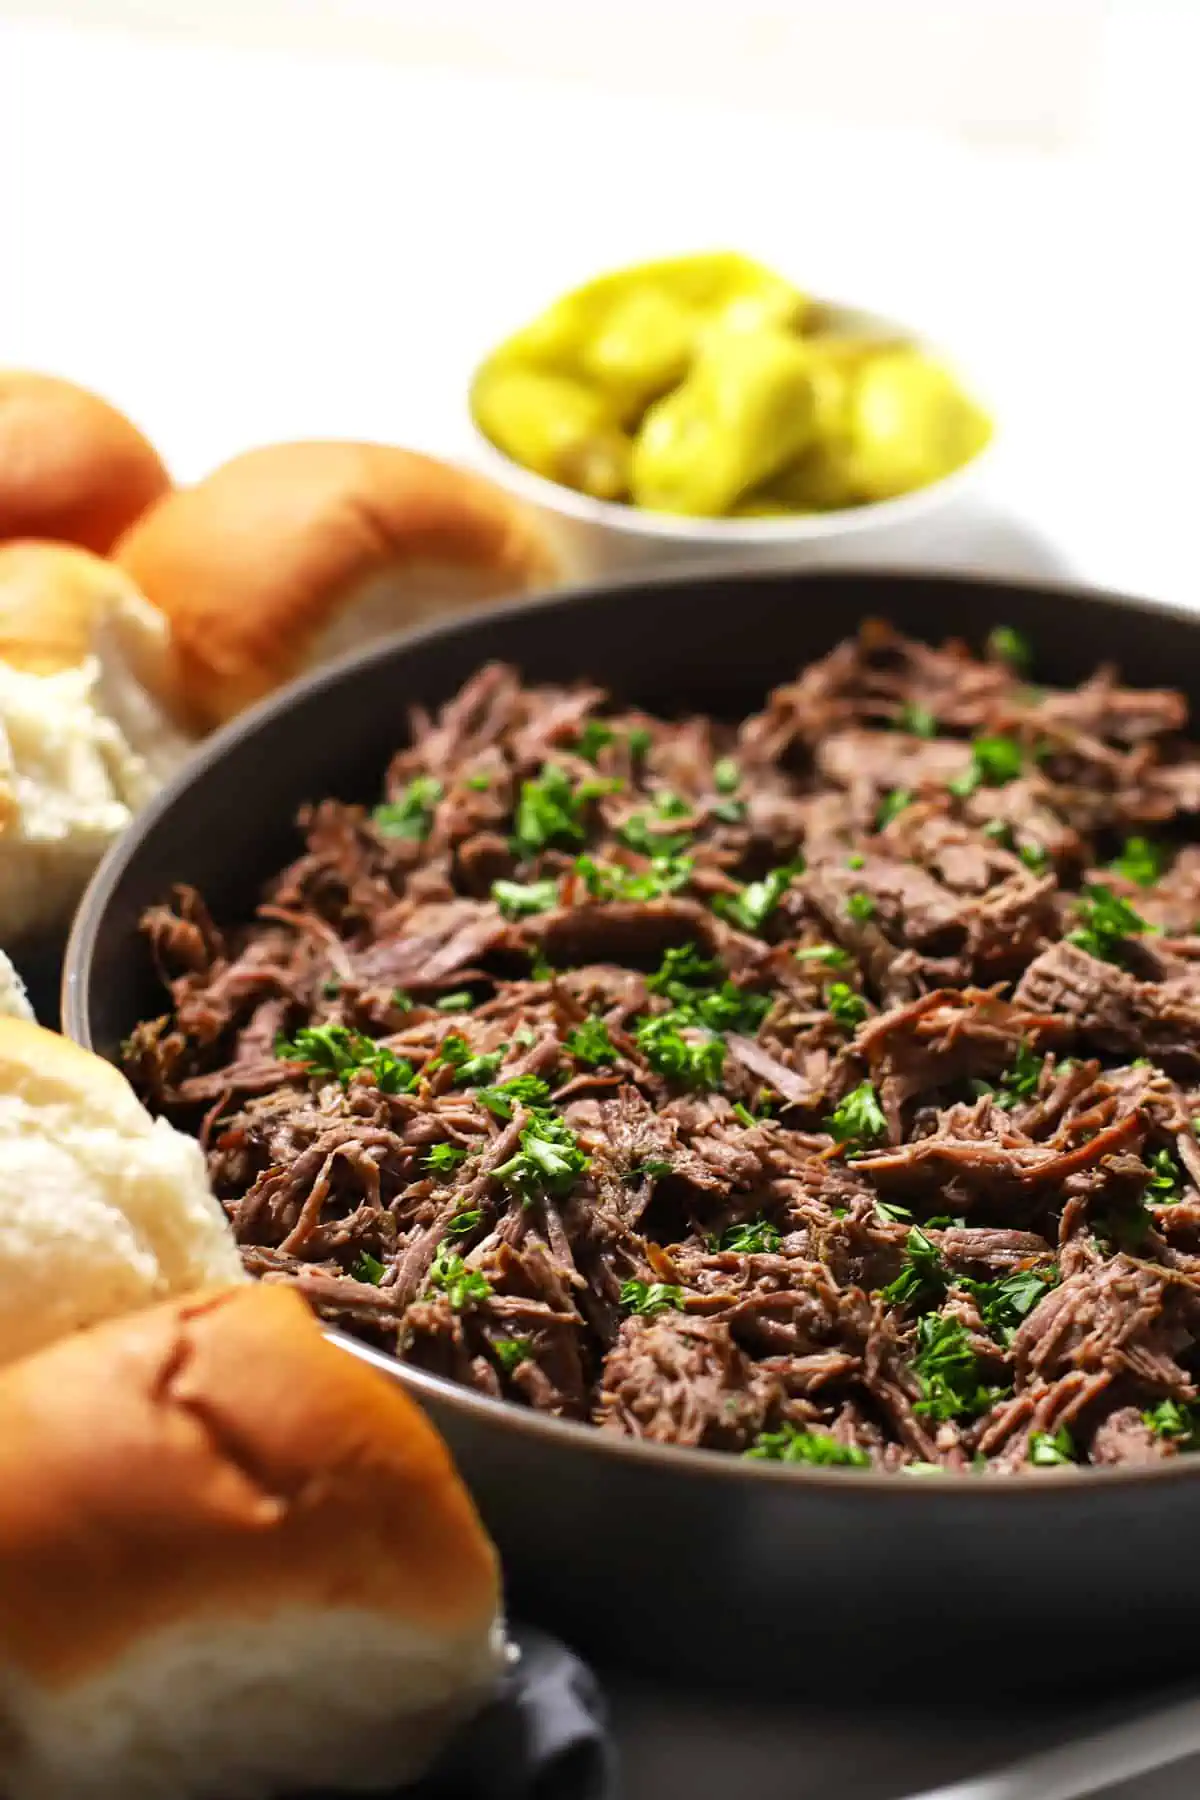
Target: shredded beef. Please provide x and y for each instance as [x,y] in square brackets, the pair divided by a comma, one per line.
[824,1087]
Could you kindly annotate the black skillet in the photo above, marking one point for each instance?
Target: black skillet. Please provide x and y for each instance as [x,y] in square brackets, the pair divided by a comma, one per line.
[702,1564]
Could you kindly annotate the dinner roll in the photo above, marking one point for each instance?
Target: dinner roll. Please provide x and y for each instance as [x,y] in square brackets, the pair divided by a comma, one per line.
[294,553]
[102,1208]
[14,1001]
[235,1562]
[71,466]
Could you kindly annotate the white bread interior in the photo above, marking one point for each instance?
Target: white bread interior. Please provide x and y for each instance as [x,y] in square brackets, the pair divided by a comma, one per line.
[102,1208]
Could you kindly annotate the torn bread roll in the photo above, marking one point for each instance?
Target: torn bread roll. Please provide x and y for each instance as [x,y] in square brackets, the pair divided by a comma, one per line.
[234,1560]
[71,466]
[295,553]
[83,741]
[102,1208]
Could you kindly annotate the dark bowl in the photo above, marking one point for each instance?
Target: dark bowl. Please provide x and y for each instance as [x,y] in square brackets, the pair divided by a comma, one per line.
[680,1560]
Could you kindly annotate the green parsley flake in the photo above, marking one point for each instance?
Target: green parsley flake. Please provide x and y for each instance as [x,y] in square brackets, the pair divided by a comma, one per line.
[859,1119]
[552,812]
[847,1007]
[1177,1420]
[590,1043]
[461,1285]
[755,1236]
[459,1001]
[918,720]
[411,815]
[860,907]
[999,830]
[642,833]
[511,1351]
[726,775]
[368,1268]
[443,1159]
[521,899]
[832,954]
[922,1282]
[639,742]
[593,738]
[608,881]
[649,1298]
[994,761]
[817,1449]
[652,1166]
[335,1050]
[464,1223]
[684,977]
[401,1001]
[892,806]
[1140,861]
[694,1065]
[549,1159]
[1009,646]
[758,899]
[469,1069]
[891,1214]
[1005,1303]
[948,1372]
[1046,1452]
[479,783]
[528,1090]
[1165,1187]
[1106,921]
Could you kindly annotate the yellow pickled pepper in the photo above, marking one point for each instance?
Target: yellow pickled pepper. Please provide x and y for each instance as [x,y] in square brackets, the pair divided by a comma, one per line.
[746,409]
[910,424]
[554,425]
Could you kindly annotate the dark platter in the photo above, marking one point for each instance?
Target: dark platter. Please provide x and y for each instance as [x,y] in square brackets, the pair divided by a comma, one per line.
[741,1572]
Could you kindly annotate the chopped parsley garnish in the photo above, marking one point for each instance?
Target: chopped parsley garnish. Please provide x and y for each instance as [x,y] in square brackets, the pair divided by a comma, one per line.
[593,738]
[891,1214]
[1165,1187]
[670,805]
[469,1069]
[1106,921]
[729,812]
[549,1159]
[479,783]
[999,830]
[443,1159]
[816,1448]
[743,1114]
[639,742]
[461,1285]
[521,899]
[460,1001]
[652,1166]
[1174,1419]
[332,987]
[994,761]
[831,954]
[683,977]
[590,1043]
[464,1223]
[551,811]
[530,1090]
[922,1281]
[636,831]
[1009,646]
[1141,861]
[1005,1303]
[856,860]
[650,1297]
[1035,857]
[726,775]
[401,1001]
[669,1053]
[758,899]
[607,881]
[1020,1082]
[368,1268]
[411,815]
[754,1236]
[335,1050]
[918,720]
[1046,1451]
[847,1007]
[948,1371]
[892,806]
[859,1119]
[509,1351]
